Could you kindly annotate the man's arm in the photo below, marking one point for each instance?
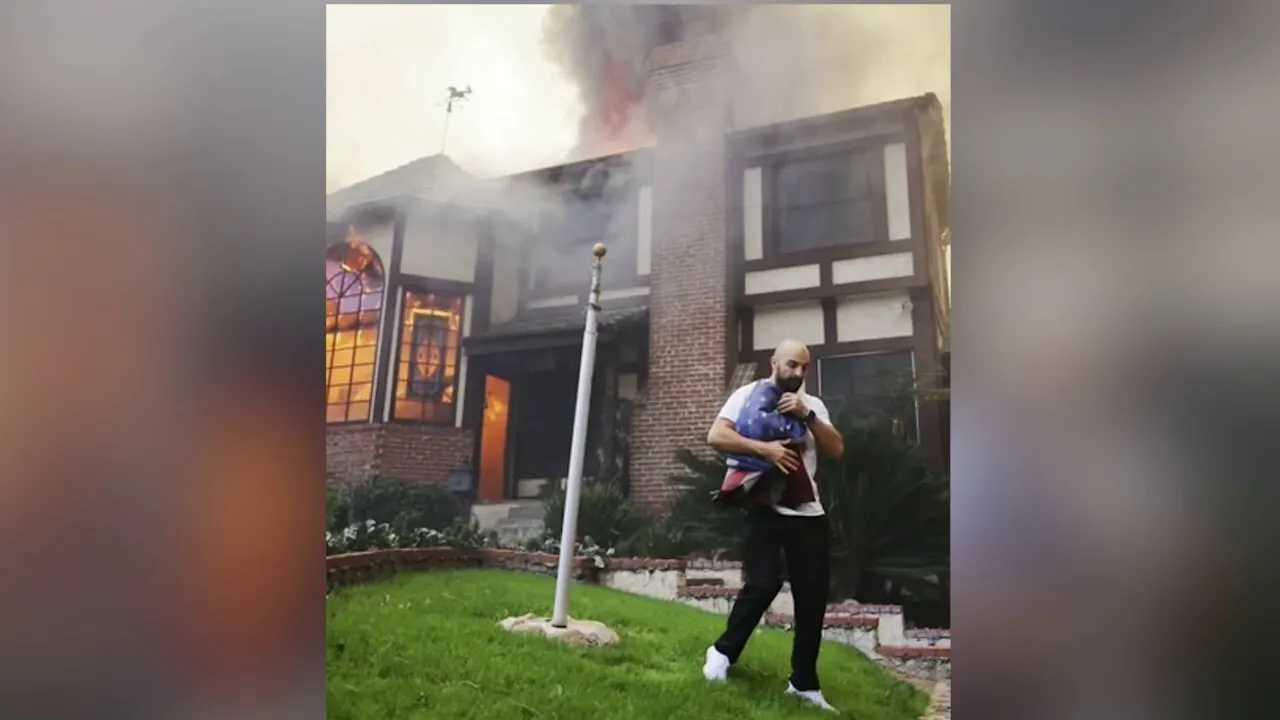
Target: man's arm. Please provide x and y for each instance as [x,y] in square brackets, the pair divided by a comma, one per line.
[828,439]
[724,438]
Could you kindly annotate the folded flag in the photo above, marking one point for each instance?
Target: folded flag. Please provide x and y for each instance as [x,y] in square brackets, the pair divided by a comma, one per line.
[757,477]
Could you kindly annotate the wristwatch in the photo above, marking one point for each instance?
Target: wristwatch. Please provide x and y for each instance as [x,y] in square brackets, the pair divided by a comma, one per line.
[808,419]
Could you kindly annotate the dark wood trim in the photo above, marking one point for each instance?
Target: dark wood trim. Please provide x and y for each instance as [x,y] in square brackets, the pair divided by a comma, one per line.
[747,320]
[864,122]
[387,341]
[534,341]
[378,212]
[821,292]
[482,305]
[473,415]
[828,255]
[915,198]
[830,326]
[422,283]
[857,347]
[473,403]
[925,347]
[733,248]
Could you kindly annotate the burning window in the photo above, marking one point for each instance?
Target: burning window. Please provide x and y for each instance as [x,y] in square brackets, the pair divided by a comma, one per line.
[427,367]
[354,286]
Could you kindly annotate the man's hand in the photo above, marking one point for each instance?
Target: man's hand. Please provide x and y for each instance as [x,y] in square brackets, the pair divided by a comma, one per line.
[781,455]
[791,403]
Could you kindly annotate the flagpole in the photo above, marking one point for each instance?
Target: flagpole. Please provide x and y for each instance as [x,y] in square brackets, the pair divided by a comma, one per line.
[577,451]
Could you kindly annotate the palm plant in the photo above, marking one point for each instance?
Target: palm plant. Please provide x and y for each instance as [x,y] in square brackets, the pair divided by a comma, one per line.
[890,517]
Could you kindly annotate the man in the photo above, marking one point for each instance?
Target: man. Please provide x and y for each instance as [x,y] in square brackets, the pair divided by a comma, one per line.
[775,530]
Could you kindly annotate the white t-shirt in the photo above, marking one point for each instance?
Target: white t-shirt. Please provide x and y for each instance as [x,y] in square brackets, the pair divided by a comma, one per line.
[733,407]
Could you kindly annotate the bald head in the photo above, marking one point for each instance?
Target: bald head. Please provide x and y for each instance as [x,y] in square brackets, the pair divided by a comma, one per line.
[790,363]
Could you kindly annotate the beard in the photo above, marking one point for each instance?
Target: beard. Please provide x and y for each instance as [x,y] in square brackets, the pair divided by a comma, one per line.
[789,384]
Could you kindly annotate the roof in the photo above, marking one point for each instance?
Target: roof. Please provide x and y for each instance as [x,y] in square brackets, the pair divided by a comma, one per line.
[434,177]
[552,328]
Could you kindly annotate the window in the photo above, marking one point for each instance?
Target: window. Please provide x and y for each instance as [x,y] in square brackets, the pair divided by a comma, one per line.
[871,387]
[823,202]
[427,367]
[353,308]
[561,263]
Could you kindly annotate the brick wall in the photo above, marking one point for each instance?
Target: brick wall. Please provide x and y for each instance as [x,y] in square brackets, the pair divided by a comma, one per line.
[423,453]
[349,452]
[688,301]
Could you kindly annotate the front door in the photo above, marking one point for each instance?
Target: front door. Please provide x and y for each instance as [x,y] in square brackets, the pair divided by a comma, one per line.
[493,439]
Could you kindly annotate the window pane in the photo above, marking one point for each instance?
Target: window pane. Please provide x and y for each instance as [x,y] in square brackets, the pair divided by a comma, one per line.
[842,176]
[342,358]
[867,387]
[362,373]
[823,226]
[335,413]
[340,376]
[358,411]
[361,391]
[338,393]
[366,354]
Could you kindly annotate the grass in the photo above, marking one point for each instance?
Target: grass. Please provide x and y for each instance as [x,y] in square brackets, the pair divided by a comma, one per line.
[428,646]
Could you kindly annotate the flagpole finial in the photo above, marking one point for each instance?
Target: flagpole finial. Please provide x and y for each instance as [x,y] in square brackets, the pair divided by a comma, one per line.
[599,250]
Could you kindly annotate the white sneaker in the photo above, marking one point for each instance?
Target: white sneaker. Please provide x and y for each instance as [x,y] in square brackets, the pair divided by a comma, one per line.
[716,668]
[813,697]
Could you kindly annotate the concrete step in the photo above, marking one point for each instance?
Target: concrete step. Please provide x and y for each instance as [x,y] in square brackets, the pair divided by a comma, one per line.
[526,510]
[516,532]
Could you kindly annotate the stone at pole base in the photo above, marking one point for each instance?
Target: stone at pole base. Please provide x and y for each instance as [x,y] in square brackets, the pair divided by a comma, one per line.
[578,633]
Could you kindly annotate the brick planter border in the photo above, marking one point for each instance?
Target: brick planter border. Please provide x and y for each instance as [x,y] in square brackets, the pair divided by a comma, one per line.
[354,568]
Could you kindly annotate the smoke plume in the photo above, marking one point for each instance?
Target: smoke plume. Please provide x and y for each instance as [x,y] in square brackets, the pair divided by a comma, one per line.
[786,61]
[604,50]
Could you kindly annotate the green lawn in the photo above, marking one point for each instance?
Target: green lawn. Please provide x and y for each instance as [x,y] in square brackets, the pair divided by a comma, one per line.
[428,646]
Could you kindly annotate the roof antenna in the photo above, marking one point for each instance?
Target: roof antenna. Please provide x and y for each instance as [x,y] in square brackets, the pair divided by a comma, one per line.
[455,97]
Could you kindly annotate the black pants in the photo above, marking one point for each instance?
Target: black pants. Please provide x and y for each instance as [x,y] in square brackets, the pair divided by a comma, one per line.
[804,543]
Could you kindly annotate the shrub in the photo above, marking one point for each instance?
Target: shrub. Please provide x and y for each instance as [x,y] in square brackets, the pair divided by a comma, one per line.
[890,517]
[337,509]
[405,506]
[694,525]
[605,514]
[372,535]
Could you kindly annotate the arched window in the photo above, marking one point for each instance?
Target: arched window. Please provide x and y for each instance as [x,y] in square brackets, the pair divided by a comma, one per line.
[354,290]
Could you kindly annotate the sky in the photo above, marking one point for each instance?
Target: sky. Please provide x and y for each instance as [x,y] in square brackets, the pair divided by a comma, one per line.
[388,67]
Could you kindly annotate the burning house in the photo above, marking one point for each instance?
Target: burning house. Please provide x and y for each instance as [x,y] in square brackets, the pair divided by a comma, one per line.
[455,305]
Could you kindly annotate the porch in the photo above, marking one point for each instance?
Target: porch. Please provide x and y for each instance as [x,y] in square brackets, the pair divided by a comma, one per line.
[529,370]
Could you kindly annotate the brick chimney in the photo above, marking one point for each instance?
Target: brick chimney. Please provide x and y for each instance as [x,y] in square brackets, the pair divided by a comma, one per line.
[689,315]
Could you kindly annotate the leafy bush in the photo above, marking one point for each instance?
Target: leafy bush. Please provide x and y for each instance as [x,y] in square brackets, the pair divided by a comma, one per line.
[405,506]
[337,509]
[373,535]
[890,517]
[605,514]
[585,547]
[694,525]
